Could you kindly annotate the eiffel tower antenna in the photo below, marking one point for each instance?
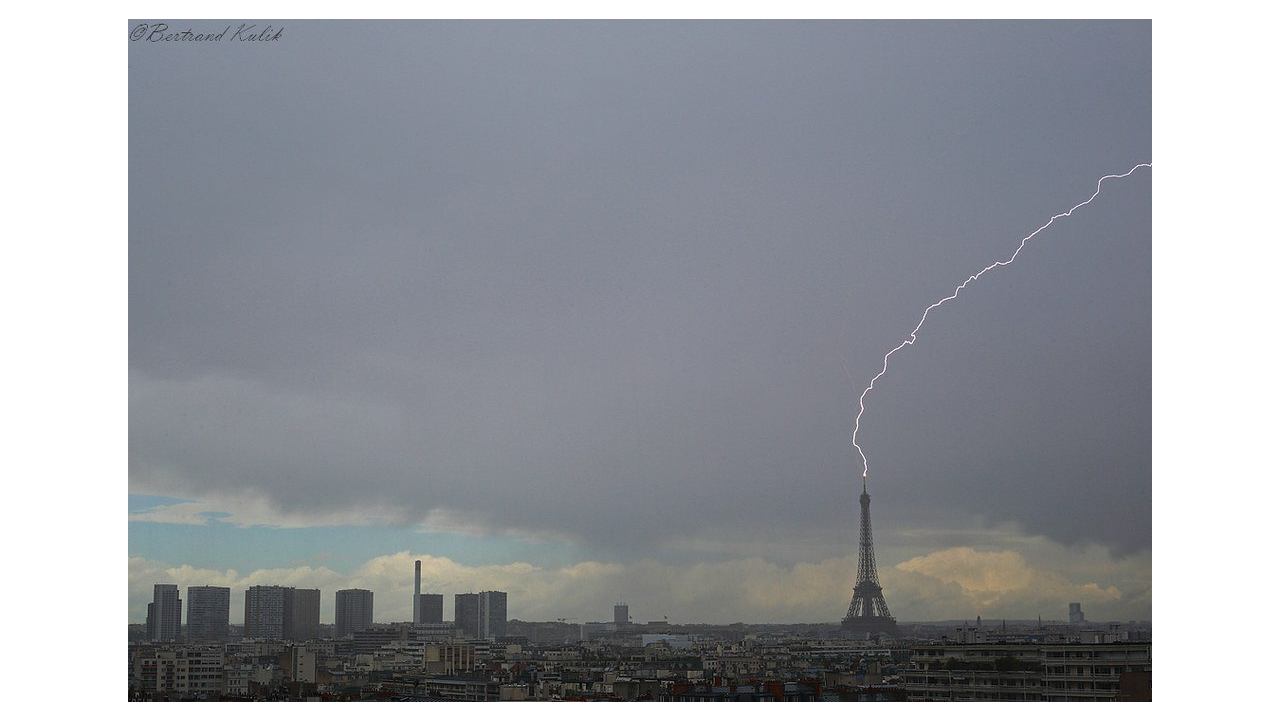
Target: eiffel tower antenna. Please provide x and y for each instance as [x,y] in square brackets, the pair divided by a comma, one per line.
[868,612]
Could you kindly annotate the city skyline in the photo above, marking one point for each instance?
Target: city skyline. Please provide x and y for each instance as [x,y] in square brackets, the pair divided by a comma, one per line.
[481,657]
[581,311]
[208,616]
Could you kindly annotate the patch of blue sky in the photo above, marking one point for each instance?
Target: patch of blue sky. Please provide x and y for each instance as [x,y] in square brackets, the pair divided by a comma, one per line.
[142,503]
[224,546]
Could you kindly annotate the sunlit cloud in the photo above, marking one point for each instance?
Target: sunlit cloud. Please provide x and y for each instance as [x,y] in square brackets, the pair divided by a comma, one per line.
[955,582]
[962,581]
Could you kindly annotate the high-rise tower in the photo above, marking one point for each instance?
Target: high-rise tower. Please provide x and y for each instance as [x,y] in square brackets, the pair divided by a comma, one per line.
[493,614]
[466,614]
[430,609]
[352,611]
[868,612]
[1074,614]
[208,613]
[164,614]
[302,613]
[264,611]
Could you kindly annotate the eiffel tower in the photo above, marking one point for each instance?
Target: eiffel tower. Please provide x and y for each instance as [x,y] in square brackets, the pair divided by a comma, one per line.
[868,612]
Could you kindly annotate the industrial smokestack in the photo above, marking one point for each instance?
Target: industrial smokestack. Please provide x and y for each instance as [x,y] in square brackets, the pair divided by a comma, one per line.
[417,590]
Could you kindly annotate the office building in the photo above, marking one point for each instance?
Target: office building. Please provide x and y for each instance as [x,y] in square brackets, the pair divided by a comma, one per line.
[466,614]
[352,611]
[302,614]
[1074,614]
[208,614]
[275,612]
[264,611]
[434,632]
[493,614]
[374,638]
[621,614]
[430,609]
[164,614]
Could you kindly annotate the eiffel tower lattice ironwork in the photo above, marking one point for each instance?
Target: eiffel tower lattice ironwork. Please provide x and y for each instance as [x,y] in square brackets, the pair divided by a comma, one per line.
[868,612]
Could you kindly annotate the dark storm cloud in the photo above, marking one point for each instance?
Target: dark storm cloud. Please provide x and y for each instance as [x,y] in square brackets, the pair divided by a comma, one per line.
[598,279]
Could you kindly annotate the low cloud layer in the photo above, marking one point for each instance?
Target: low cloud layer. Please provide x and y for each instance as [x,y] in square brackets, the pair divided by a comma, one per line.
[1004,583]
[947,584]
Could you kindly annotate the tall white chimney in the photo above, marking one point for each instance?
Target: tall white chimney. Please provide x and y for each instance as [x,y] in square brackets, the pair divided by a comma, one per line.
[417,590]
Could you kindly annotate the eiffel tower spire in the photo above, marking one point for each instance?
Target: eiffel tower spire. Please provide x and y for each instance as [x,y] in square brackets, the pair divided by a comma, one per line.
[868,612]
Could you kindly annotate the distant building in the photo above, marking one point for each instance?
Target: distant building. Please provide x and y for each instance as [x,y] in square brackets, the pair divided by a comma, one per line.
[208,614]
[272,611]
[462,688]
[299,664]
[302,614]
[449,658]
[372,639]
[189,672]
[589,630]
[480,615]
[164,614]
[1074,614]
[430,609]
[621,614]
[675,642]
[466,614]
[434,632]
[493,614]
[264,611]
[352,611]
[546,633]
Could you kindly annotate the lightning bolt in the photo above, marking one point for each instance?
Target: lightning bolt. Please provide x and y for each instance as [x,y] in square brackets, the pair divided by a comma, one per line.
[911,339]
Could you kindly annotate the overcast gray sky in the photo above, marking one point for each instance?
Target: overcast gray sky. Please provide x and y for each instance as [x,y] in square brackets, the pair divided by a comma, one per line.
[585,308]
